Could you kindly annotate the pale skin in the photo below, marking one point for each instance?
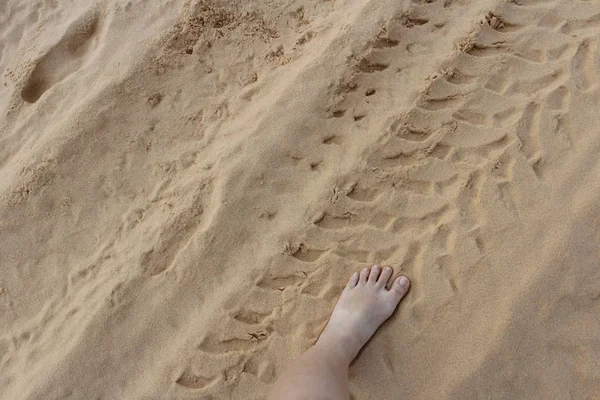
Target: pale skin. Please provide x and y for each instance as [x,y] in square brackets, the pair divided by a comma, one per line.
[322,371]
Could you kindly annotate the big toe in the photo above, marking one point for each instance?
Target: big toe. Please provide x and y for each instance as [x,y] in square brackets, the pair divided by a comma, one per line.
[400,286]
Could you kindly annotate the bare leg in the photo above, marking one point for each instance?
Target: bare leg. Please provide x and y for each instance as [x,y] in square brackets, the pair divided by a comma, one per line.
[322,371]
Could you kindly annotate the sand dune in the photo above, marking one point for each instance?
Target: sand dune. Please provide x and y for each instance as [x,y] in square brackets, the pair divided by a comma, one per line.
[187,185]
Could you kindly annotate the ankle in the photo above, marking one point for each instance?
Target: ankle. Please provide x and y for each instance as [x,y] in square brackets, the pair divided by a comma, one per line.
[339,346]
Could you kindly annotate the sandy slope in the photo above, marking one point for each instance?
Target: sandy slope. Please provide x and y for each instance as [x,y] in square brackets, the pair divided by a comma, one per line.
[186,186]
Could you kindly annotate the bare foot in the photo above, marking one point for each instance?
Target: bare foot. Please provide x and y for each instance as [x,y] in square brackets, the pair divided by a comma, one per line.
[363,306]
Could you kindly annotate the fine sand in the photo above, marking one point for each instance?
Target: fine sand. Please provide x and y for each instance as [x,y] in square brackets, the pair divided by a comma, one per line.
[186,186]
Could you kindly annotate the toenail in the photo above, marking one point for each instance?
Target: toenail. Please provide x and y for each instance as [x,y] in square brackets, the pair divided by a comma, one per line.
[403,281]
[388,269]
[376,266]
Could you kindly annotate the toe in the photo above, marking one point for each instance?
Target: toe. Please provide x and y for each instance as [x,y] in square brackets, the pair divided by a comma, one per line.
[364,275]
[375,271]
[353,281]
[400,286]
[384,277]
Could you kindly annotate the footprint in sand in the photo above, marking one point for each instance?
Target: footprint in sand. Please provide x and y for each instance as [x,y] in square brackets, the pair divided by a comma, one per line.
[64,58]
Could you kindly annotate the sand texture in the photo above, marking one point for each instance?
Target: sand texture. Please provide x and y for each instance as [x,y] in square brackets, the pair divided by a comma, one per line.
[186,186]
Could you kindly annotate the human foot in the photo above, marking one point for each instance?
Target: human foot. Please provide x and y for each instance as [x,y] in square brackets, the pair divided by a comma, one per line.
[362,307]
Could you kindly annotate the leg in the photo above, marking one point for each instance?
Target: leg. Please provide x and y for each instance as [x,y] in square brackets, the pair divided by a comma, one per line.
[322,371]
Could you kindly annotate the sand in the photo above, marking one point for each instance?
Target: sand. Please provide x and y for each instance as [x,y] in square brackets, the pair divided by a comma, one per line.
[186,186]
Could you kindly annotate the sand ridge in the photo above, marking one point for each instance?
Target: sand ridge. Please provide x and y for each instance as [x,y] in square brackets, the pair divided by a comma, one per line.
[187,186]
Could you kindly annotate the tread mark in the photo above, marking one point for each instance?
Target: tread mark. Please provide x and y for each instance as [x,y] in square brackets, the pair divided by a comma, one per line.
[413,134]
[367,66]
[429,219]
[506,117]
[538,167]
[444,238]
[382,221]
[419,119]
[528,129]
[329,221]
[360,256]
[250,317]
[538,84]
[307,255]
[530,3]
[504,167]
[173,239]
[562,129]
[423,188]
[479,242]
[411,22]
[471,117]
[193,381]
[441,151]
[381,43]
[338,113]
[458,78]
[500,82]
[534,55]
[248,342]
[479,50]
[558,99]
[571,27]
[444,187]
[413,256]
[557,53]
[359,194]
[400,159]
[281,282]
[507,195]
[469,200]
[489,150]
[582,64]
[332,140]
[435,104]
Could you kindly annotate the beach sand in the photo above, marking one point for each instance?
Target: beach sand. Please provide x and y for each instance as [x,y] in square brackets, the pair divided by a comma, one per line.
[186,186]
